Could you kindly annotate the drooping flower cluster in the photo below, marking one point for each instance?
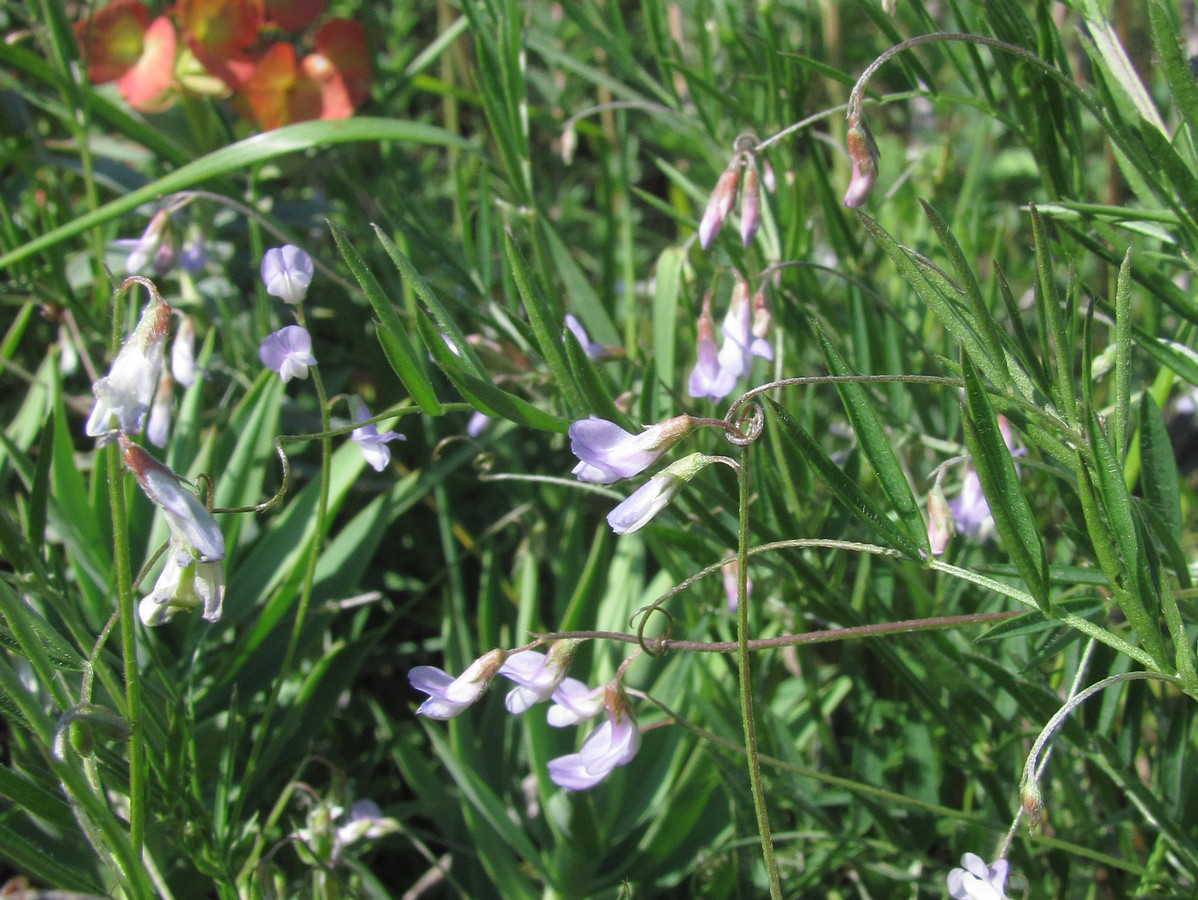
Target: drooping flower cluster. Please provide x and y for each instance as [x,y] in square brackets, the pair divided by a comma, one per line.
[541,677]
[223,47]
[193,576]
[128,389]
[286,273]
[745,327]
[723,198]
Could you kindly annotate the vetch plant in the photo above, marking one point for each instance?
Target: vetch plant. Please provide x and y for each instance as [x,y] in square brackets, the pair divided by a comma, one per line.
[128,388]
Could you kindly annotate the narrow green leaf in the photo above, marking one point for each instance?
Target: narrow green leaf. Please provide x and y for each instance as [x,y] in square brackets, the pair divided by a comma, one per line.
[35,799]
[846,490]
[242,156]
[597,400]
[445,323]
[1122,355]
[1103,543]
[983,321]
[546,325]
[39,493]
[935,298]
[393,337]
[1013,517]
[1052,326]
[482,392]
[1174,64]
[47,865]
[1159,479]
[877,447]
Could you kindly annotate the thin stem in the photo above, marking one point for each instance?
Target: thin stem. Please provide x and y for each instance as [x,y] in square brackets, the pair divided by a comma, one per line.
[128,616]
[1031,774]
[322,504]
[746,685]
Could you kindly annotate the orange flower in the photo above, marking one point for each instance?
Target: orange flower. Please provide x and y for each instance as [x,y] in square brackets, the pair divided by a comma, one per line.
[110,41]
[279,92]
[341,67]
[147,86]
[219,32]
[294,15]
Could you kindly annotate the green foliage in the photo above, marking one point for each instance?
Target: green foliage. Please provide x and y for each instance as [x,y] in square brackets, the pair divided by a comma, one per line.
[1011,316]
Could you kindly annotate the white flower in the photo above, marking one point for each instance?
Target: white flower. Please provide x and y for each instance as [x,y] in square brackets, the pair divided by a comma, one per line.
[183,353]
[185,583]
[614,743]
[287,272]
[159,426]
[607,452]
[537,675]
[448,696]
[189,520]
[655,494]
[288,351]
[155,243]
[574,702]
[976,881]
[736,353]
[129,387]
[372,444]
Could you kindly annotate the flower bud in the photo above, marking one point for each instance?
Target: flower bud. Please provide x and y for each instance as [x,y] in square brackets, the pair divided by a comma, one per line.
[750,207]
[720,204]
[1033,804]
[655,494]
[864,154]
[940,520]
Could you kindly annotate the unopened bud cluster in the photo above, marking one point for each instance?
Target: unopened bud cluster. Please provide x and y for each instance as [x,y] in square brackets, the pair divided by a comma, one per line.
[732,184]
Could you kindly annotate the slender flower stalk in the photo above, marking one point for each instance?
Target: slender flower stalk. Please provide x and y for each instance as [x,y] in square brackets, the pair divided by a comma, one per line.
[746,684]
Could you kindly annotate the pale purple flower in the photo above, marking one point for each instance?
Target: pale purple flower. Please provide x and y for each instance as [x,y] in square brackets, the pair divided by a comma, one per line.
[448,696]
[183,353]
[288,351]
[193,254]
[736,353]
[574,702]
[477,422]
[149,246]
[940,519]
[190,522]
[730,571]
[762,320]
[608,453]
[185,583]
[287,272]
[655,494]
[129,387]
[720,203]
[708,378]
[969,509]
[537,675]
[614,743]
[977,881]
[159,425]
[750,206]
[372,444]
[592,350]
[364,821]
